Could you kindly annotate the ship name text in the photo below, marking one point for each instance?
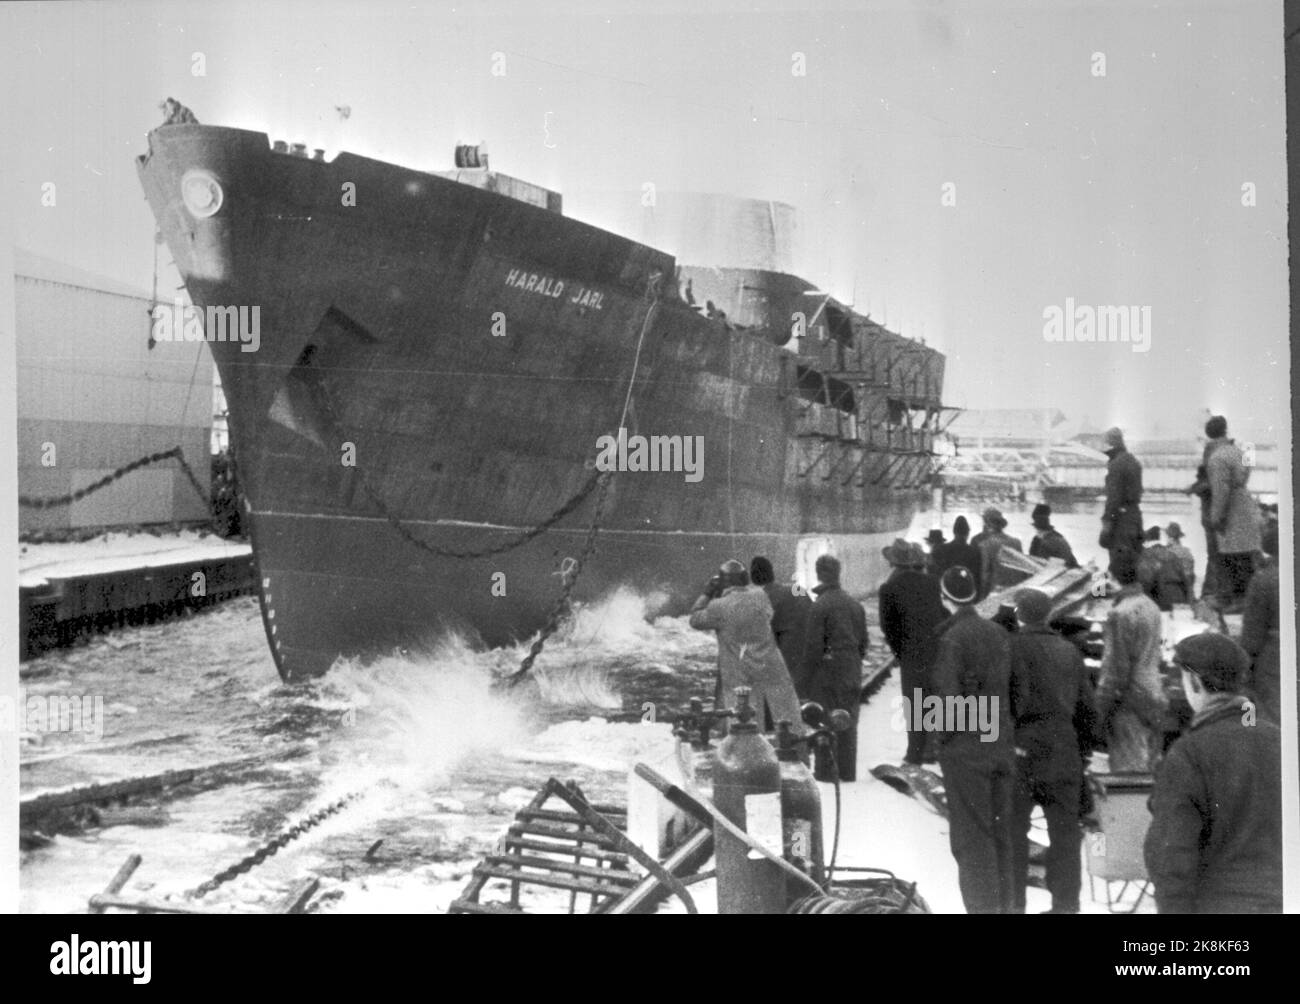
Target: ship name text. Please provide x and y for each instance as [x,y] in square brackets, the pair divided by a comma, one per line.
[545,285]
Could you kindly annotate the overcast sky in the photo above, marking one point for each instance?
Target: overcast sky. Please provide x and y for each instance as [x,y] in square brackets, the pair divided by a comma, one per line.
[1122,189]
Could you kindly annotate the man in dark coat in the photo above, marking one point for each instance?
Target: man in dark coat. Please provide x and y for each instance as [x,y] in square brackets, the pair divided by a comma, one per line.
[1052,705]
[1184,557]
[937,543]
[1260,627]
[1160,572]
[1048,542]
[1215,840]
[910,610]
[1234,514]
[990,543]
[973,667]
[1121,520]
[1201,489]
[958,551]
[834,647]
[790,606]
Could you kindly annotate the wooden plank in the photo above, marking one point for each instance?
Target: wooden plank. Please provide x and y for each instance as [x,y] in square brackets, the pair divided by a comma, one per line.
[468,906]
[557,865]
[595,853]
[558,816]
[32,808]
[649,892]
[553,881]
[101,901]
[299,896]
[542,830]
[120,879]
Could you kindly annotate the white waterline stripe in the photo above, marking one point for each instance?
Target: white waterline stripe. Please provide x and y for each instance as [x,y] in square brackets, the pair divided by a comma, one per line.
[495,527]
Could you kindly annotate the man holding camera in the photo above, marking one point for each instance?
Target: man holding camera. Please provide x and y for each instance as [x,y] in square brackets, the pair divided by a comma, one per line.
[741,614]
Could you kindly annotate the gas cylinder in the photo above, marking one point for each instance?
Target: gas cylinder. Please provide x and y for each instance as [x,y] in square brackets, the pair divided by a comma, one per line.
[801,815]
[747,790]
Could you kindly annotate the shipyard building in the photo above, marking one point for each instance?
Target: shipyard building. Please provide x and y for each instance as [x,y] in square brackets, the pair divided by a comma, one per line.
[94,395]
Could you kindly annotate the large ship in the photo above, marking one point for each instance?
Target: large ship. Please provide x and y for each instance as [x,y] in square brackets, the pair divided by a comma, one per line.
[450,403]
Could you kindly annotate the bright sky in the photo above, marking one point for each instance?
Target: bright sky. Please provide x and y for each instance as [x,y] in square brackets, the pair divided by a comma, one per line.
[1122,189]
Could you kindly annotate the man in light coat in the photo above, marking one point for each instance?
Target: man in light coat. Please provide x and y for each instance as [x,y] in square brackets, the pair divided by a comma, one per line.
[741,614]
[1234,515]
[1131,702]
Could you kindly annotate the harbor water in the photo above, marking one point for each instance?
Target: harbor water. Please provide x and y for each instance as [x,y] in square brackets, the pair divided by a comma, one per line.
[443,761]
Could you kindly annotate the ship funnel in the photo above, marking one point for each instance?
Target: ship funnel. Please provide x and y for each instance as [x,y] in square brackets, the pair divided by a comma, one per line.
[722,231]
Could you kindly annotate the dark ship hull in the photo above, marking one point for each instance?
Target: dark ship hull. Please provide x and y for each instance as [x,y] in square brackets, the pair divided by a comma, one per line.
[435,366]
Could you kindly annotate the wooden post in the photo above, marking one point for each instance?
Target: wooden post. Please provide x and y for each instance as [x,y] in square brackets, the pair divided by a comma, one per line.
[118,881]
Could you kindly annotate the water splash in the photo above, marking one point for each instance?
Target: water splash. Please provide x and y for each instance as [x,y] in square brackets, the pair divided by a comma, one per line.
[415,717]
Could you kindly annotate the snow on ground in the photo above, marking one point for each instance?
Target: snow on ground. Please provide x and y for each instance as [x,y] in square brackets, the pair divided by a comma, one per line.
[883,828]
[113,552]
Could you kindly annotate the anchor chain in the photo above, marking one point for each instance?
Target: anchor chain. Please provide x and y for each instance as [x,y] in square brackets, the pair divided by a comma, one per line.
[571,572]
[598,480]
[251,861]
[400,528]
[31,502]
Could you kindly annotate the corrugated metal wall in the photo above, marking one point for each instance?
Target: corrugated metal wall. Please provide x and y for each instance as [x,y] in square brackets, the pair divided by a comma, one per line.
[89,384]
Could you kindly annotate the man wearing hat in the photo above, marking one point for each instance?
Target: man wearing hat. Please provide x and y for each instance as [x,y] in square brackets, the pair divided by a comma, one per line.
[1215,840]
[1052,705]
[1260,631]
[910,610]
[973,660]
[1047,542]
[1121,520]
[1179,552]
[741,614]
[990,542]
[835,645]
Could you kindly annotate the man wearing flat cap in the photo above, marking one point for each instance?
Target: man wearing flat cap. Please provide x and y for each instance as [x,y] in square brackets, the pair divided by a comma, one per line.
[1215,840]
[835,643]
[973,661]
[1121,520]
[910,609]
[1052,705]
